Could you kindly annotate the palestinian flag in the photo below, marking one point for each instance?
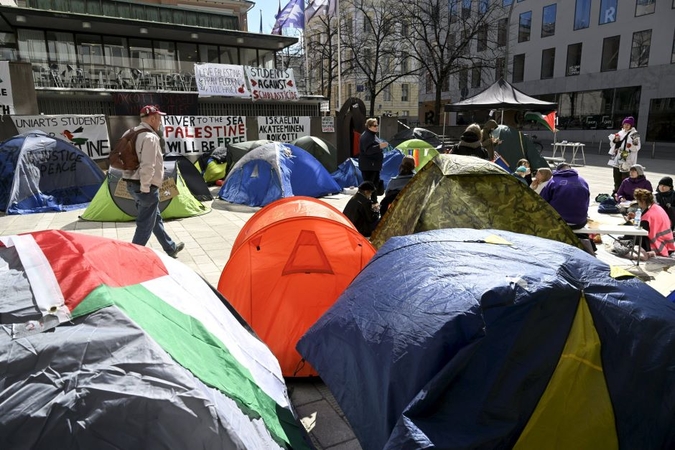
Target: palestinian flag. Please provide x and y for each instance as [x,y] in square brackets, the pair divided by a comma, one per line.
[547,120]
[112,345]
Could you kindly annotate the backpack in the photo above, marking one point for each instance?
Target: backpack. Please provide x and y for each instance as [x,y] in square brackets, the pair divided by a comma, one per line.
[608,206]
[124,156]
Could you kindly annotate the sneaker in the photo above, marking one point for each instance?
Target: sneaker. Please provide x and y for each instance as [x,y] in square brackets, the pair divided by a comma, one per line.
[174,254]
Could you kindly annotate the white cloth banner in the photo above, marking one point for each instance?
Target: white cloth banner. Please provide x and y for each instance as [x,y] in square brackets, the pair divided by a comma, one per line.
[6,97]
[221,79]
[282,129]
[271,84]
[186,135]
[86,132]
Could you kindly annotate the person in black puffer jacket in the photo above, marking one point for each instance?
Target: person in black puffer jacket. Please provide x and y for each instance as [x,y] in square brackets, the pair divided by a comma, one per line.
[470,143]
[665,197]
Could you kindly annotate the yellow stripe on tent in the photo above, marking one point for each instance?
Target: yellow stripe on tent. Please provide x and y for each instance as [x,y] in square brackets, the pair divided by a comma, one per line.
[575,411]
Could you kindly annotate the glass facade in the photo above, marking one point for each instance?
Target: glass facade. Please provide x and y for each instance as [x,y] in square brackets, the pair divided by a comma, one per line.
[601,109]
[643,7]
[582,14]
[608,11]
[661,121]
[639,55]
[548,20]
[547,63]
[573,59]
[518,68]
[524,26]
[610,53]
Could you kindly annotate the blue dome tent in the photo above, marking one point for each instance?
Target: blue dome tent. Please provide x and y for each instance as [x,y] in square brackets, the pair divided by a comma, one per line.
[275,171]
[42,173]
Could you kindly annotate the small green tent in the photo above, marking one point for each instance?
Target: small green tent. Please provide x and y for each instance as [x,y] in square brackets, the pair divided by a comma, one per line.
[112,203]
[321,149]
[454,191]
[422,151]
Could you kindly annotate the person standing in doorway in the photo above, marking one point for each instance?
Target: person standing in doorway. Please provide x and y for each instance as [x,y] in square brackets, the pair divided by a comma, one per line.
[371,155]
[143,183]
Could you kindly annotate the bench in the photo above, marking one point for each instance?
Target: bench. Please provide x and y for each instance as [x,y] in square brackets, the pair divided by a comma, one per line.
[553,162]
[620,230]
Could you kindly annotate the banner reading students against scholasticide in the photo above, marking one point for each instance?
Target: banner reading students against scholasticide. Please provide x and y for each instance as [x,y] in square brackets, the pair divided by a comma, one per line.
[282,129]
[221,79]
[6,96]
[88,133]
[271,84]
[186,135]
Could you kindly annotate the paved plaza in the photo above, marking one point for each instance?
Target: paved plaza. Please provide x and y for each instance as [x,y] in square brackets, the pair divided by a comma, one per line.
[209,238]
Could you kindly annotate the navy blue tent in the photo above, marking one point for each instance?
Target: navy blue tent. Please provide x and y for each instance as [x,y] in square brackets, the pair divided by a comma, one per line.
[275,171]
[42,173]
[348,173]
[459,339]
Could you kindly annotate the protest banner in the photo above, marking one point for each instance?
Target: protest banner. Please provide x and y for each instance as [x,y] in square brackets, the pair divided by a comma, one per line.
[328,124]
[221,79]
[282,129]
[89,133]
[186,135]
[6,96]
[271,84]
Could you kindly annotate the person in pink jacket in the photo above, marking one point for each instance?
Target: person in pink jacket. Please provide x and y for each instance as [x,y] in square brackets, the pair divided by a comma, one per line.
[657,223]
[143,183]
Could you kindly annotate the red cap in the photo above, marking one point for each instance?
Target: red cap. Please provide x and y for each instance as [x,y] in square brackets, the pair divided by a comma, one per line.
[151,109]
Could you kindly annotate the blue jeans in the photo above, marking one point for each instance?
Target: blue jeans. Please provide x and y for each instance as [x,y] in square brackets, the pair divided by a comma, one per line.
[149,221]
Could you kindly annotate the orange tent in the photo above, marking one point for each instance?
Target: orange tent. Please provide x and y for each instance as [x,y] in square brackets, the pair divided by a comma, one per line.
[289,264]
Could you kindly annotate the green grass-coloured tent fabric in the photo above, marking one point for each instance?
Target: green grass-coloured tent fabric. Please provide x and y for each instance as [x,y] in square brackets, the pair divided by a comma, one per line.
[454,191]
[322,150]
[422,151]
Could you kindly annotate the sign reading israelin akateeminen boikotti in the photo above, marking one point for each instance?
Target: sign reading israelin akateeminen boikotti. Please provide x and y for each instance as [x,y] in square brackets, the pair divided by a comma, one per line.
[186,135]
[89,133]
[282,129]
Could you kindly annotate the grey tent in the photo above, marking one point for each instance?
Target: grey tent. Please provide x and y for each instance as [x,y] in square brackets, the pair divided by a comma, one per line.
[501,95]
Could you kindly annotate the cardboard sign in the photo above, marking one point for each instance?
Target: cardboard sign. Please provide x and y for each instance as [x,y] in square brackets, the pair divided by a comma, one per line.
[199,134]
[6,97]
[221,79]
[282,129]
[166,192]
[328,124]
[271,84]
[88,133]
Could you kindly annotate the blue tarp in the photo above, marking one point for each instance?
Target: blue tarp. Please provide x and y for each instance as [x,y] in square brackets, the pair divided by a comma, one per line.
[349,175]
[42,173]
[275,171]
[446,341]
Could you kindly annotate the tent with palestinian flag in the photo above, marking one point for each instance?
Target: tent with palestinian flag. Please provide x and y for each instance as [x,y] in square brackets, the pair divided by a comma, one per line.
[111,345]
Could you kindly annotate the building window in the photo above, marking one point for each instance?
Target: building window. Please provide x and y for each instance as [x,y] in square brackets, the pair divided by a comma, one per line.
[502,32]
[482,38]
[429,84]
[446,84]
[466,9]
[507,2]
[639,54]
[547,63]
[483,5]
[404,29]
[518,68]
[464,82]
[475,76]
[404,62]
[524,26]
[643,7]
[404,92]
[386,94]
[672,53]
[573,59]
[608,11]
[661,120]
[610,53]
[405,113]
[582,14]
[499,68]
[454,11]
[548,20]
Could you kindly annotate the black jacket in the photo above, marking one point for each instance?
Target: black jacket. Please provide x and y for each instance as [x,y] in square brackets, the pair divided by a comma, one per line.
[667,201]
[370,153]
[478,152]
[359,210]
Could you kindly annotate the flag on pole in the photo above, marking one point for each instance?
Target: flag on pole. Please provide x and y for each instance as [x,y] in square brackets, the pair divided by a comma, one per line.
[291,16]
[547,121]
[318,7]
[261,21]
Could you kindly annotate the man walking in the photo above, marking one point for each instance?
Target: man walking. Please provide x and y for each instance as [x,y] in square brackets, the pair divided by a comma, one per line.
[143,183]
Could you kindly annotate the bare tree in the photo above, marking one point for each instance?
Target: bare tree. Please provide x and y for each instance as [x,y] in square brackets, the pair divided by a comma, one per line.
[371,53]
[321,46]
[447,37]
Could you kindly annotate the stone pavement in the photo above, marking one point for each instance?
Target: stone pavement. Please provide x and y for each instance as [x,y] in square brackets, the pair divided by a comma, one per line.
[209,238]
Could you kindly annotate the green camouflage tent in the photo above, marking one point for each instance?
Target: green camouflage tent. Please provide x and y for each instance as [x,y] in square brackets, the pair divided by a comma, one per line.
[454,191]
[113,204]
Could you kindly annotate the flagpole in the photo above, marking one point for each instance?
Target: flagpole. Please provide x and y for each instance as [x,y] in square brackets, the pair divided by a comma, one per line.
[339,105]
[308,79]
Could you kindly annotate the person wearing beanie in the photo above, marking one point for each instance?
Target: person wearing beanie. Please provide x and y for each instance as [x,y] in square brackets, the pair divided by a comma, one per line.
[405,173]
[635,180]
[470,143]
[361,211]
[665,197]
[623,148]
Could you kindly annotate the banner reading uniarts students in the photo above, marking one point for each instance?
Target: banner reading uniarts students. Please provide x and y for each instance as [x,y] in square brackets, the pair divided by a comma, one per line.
[186,135]
[271,84]
[282,129]
[221,79]
[88,133]
[6,96]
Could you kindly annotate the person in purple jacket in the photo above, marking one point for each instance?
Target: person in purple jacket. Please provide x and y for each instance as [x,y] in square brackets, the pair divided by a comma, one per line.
[636,179]
[568,194]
